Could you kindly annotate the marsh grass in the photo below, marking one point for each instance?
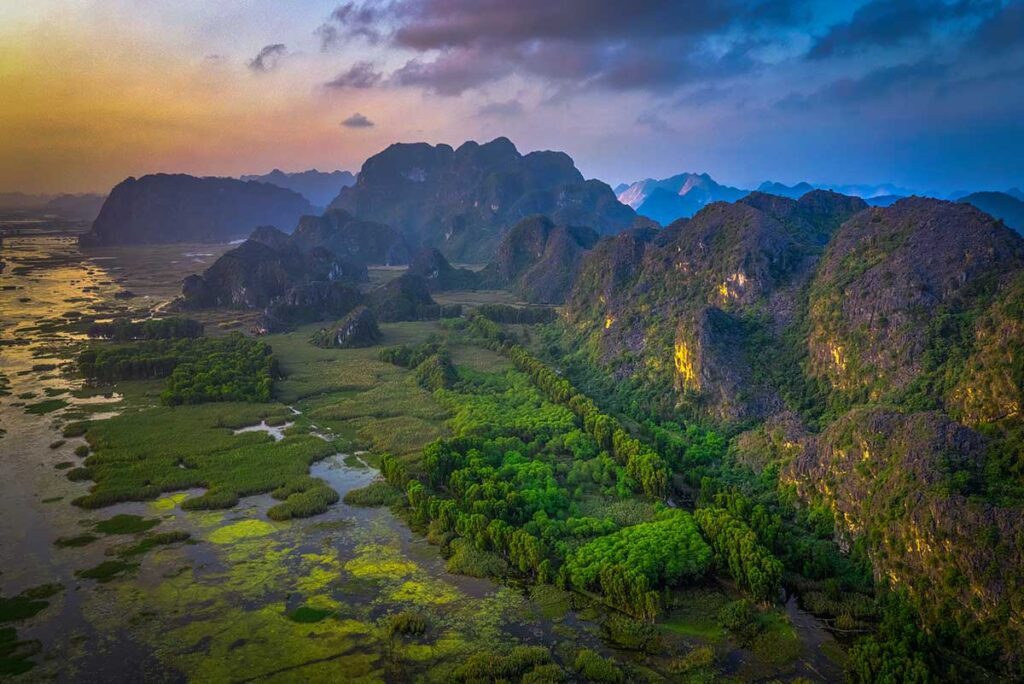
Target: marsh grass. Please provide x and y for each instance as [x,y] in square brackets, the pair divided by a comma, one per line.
[309,614]
[27,603]
[374,494]
[125,524]
[76,541]
[45,406]
[147,544]
[106,571]
[139,455]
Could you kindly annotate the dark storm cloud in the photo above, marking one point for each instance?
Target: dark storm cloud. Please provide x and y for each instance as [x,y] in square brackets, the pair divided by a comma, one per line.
[357,120]
[501,110]
[654,44]
[1001,33]
[902,79]
[268,58]
[887,23]
[359,75]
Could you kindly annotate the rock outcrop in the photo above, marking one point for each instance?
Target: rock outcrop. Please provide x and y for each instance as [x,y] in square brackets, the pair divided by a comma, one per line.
[909,483]
[363,242]
[539,260]
[462,200]
[308,303]
[685,307]
[254,273]
[357,329]
[165,208]
[884,279]
[440,275]
[405,298]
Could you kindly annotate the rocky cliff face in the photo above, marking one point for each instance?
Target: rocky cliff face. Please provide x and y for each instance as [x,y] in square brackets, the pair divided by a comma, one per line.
[440,275]
[897,333]
[461,201]
[887,276]
[680,308]
[908,483]
[363,242]
[539,260]
[254,273]
[309,302]
[406,298]
[357,329]
[165,208]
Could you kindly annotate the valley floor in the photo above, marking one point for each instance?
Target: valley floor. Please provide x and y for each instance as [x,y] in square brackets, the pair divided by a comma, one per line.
[153,590]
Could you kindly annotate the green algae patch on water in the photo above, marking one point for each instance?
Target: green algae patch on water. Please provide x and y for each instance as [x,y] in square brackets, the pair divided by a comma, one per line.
[125,524]
[324,570]
[376,561]
[445,647]
[427,591]
[168,503]
[266,644]
[240,531]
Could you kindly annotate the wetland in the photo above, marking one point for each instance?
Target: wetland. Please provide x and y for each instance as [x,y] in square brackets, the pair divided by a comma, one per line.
[280,537]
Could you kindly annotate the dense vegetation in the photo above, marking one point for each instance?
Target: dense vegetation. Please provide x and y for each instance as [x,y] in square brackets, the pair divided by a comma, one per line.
[232,368]
[521,484]
[123,330]
[526,315]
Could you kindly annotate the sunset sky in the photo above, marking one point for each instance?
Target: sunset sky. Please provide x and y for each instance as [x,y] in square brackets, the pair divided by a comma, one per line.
[927,95]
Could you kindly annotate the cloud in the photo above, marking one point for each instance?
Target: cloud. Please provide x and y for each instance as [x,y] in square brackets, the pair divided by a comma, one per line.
[359,75]
[451,73]
[501,110]
[1001,33]
[603,44]
[654,122]
[357,120]
[349,22]
[268,58]
[881,83]
[888,23]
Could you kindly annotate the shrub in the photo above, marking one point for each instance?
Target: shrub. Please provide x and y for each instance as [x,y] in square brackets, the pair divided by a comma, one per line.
[407,623]
[595,668]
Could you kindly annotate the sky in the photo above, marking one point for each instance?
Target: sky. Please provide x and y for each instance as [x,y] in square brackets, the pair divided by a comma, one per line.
[927,95]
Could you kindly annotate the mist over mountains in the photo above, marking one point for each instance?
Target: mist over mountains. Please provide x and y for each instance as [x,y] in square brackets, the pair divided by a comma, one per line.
[683,195]
[319,187]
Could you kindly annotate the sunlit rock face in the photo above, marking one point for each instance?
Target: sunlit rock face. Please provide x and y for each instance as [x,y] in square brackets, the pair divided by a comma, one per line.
[885,278]
[164,208]
[686,306]
[462,200]
[908,485]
